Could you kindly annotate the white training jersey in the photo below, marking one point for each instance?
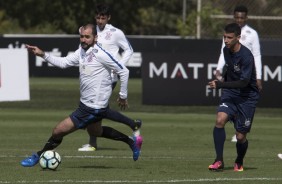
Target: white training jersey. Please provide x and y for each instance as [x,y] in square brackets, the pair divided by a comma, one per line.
[250,39]
[95,67]
[112,39]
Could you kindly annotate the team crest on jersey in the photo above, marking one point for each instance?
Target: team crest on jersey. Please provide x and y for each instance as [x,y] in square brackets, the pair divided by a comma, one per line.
[108,36]
[113,30]
[236,68]
[91,55]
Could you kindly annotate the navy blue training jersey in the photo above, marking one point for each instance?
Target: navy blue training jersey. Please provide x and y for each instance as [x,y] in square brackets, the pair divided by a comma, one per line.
[240,66]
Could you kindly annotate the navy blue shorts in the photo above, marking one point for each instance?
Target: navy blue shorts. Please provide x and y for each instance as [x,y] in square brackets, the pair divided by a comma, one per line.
[240,111]
[83,116]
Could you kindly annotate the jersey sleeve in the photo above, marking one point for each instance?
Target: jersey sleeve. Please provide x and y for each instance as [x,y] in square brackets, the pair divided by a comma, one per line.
[63,62]
[257,55]
[124,44]
[221,61]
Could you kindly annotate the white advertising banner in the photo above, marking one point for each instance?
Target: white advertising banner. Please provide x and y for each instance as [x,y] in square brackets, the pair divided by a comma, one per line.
[14,75]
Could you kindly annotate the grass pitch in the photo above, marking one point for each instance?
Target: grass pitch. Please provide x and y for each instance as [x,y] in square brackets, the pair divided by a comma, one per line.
[177,147]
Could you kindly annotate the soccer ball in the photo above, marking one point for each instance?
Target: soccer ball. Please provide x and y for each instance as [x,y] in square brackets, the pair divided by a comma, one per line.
[50,160]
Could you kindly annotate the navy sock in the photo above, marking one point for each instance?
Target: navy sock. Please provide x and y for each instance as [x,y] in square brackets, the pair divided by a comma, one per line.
[241,151]
[93,141]
[219,137]
[118,117]
[50,145]
[113,134]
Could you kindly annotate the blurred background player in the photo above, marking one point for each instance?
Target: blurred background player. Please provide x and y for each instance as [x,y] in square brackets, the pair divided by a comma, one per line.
[114,41]
[250,39]
[239,97]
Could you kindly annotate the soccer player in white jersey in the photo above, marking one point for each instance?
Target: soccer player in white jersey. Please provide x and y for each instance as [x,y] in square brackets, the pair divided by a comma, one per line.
[114,41]
[95,66]
[250,39]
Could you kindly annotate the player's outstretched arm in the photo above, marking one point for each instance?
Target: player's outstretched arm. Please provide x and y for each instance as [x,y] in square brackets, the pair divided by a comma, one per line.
[35,50]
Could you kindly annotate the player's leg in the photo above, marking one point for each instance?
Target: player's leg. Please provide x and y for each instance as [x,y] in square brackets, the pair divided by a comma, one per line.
[219,137]
[63,128]
[116,116]
[96,129]
[241,147]
[243,124]
[91,146]
[135,125]
[134,143]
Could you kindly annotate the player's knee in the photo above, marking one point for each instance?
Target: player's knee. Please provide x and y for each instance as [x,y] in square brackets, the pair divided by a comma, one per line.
[220,123]
[241,138]
[221,120]
[57,133]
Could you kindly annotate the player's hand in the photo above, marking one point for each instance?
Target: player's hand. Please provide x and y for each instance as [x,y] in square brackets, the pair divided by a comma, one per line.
[259,85]
[212,84]
[35,50]
[122,103]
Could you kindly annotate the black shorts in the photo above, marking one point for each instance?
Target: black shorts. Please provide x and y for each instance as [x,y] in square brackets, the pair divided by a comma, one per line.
[240,111]
[83,116]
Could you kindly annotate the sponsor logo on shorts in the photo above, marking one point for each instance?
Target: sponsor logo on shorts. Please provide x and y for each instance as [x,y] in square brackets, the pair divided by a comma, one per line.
[223,105]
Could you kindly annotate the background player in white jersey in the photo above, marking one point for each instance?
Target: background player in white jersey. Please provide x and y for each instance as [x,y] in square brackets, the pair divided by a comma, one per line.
[250,39]
[114,41]
[95,65]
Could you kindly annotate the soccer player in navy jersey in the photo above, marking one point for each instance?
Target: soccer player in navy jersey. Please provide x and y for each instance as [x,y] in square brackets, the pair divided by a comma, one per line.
[240,95]
[250,39]
[95,66]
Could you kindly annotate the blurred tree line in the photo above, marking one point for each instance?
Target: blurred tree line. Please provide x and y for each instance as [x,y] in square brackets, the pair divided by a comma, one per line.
[134,17]
[65,16]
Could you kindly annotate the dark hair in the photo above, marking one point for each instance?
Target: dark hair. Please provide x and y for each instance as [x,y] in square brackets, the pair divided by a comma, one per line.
[233,28]
[91,26]
[241,8]
[103,9]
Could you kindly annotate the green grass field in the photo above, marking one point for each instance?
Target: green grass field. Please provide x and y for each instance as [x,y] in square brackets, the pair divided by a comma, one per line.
[177,147]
